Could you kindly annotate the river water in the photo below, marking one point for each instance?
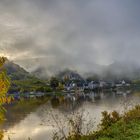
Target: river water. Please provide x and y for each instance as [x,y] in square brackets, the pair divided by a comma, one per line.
[39,122]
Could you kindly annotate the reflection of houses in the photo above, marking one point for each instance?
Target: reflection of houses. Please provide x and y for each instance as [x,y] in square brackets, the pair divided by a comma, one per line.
[122,83]
[123,93]
[39,94]
[27,95]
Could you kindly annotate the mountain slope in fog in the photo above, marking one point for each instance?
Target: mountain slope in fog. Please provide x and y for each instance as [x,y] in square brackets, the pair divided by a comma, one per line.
[120,70]
[15,72]
[116,70]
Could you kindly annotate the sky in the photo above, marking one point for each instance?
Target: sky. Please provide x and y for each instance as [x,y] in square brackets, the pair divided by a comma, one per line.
[76,34]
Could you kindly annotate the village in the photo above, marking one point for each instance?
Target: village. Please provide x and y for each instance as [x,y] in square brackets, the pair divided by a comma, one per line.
[73,86]
[95,85]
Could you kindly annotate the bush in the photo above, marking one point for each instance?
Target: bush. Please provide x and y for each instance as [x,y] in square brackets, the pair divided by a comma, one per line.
[109,118]
[48,89]
[133,114]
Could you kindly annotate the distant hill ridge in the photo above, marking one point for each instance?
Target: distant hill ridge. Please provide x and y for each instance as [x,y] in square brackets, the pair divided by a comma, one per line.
[70,74]
[117,70]
[15,72]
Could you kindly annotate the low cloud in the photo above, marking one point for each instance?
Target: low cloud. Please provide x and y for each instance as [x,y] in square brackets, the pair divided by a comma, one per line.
[79,35]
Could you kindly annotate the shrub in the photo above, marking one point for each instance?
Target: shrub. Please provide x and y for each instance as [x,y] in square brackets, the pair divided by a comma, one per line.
[109,118]
[133,114]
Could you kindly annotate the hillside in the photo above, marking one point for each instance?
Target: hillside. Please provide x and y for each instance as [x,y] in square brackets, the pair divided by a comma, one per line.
[21,80]
[15,72]
[70,74]
[122,70]
[117,71]
[115,126]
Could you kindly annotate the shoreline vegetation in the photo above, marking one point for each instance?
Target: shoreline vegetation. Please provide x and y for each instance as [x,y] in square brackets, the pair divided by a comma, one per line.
[118,127]
[113,126]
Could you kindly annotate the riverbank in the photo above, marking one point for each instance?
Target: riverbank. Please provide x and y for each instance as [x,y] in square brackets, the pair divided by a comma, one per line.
[26,115]
[116,127]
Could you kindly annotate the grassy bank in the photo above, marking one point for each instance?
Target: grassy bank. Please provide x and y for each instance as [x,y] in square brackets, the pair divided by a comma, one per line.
[115,127]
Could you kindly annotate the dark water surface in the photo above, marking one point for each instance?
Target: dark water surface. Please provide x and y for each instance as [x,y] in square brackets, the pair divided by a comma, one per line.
[36,120]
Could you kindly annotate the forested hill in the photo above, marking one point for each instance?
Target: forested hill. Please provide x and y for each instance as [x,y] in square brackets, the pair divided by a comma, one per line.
[21,80]
[15,72]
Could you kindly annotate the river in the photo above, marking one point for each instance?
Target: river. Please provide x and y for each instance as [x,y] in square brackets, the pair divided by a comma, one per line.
[37,121]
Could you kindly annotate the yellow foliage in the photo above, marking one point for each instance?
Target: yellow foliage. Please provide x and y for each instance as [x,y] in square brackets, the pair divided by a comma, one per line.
[4,86]
[1,135]
[60,86]
[4,81]
[2,61]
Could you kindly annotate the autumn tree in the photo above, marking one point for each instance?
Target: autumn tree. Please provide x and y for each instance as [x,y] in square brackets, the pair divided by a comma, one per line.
[4,86]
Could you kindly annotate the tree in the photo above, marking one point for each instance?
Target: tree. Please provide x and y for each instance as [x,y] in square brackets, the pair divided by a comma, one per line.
[4,80]
[41,89]
[60,86]
[4,86]
[54,82]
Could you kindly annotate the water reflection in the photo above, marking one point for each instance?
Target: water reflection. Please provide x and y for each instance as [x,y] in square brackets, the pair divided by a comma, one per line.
[32,119]
[55,102]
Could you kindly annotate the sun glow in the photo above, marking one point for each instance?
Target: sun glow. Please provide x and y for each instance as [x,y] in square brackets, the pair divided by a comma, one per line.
[8,56]
[4,54]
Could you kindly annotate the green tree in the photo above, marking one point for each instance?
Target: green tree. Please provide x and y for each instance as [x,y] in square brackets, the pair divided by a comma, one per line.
[41,89]
[54,82]
[60,86]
